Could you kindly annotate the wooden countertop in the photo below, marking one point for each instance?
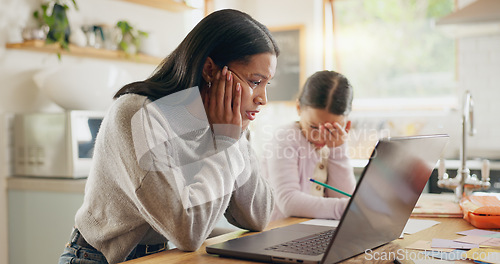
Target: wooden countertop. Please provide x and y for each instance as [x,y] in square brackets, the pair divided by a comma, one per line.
[69,185]
[446,229]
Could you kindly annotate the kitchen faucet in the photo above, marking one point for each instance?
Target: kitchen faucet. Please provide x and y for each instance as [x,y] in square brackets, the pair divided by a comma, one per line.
[464,183]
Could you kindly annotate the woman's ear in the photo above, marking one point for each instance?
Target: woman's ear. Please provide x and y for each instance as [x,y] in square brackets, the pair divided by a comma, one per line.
[209,70]
[297,105]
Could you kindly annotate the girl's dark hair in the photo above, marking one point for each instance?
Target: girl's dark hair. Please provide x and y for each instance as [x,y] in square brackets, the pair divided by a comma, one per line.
[327,90]
[225,36]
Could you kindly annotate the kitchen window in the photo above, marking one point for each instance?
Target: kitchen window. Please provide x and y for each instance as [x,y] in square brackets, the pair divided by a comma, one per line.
[391,52]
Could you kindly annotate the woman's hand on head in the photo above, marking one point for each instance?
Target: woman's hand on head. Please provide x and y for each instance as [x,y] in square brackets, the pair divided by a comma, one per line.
[335,135]
[222,104]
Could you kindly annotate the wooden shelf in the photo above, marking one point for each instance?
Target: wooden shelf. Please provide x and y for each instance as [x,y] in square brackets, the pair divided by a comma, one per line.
[40,46]
[169,5]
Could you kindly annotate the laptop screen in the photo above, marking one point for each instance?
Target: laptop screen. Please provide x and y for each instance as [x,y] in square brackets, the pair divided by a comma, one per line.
[399,169]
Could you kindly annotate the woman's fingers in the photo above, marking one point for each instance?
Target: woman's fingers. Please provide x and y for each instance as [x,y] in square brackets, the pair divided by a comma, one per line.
[237,103]
[213,94]
[220,92]
[228,95]
[223,100]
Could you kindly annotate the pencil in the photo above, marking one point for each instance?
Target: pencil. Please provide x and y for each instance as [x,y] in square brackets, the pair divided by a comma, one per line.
[330,187]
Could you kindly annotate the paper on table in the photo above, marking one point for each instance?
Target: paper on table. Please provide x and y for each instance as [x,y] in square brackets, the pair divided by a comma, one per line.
[484,255]
[415,225]
[432,261]
[439,261]
[454,255]
[446,243]
[322,222]
[480,240]
[472,239]
[426,245]
[493,242]
[478,232]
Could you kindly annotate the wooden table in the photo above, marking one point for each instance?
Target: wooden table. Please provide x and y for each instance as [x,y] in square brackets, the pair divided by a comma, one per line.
[446,230]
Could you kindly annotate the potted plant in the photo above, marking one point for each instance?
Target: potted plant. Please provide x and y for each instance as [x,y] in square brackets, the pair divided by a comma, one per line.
[131,37]
[53,14]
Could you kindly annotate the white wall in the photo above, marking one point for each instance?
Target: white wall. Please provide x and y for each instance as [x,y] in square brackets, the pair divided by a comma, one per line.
[281,13]
[479,68]
[478,72]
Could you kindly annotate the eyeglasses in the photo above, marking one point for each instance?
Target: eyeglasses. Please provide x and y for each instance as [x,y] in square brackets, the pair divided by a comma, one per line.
[255,83]
[233,72]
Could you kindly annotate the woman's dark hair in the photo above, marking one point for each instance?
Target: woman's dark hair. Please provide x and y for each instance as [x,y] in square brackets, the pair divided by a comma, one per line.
[225,36]
[327,90]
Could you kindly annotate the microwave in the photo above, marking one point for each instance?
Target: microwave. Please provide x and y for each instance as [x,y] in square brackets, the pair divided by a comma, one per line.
[58,145]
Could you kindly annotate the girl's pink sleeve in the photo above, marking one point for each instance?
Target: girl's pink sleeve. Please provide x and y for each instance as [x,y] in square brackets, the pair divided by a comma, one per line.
[340,172]
[283,170]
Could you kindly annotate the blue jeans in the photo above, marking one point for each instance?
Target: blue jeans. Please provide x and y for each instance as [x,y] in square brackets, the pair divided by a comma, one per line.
[76,254]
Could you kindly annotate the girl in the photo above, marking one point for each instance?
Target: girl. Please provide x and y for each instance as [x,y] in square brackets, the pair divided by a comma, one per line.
[314,147]
[169,158]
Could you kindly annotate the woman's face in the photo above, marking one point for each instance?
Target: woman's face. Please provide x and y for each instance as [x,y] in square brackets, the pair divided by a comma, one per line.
[311,119]
[254,77]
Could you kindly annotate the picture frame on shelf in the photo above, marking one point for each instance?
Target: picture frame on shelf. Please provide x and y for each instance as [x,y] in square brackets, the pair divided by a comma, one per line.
[290,69]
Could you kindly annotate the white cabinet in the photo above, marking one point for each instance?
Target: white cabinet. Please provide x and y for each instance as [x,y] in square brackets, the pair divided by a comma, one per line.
[40,218]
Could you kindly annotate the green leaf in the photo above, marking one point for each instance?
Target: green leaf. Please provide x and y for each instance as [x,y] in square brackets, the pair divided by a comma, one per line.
[57,22]
[123,45]
[64,45]
[74,3]
[50,41]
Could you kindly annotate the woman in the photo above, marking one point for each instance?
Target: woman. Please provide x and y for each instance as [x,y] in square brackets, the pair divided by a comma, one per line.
[169,158]
[314,147]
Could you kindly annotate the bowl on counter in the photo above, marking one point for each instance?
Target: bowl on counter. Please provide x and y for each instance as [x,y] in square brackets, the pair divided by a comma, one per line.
[82,86]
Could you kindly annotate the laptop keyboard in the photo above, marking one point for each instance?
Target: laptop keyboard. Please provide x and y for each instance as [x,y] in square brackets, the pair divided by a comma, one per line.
[309,245]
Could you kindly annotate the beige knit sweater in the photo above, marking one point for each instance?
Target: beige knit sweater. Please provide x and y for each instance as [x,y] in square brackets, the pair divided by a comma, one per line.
[159,174]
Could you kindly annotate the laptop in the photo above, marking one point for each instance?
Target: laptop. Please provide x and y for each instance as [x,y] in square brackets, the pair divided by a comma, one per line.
[376,214]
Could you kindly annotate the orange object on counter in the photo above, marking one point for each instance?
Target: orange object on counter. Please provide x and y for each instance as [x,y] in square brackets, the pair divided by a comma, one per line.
[482,211]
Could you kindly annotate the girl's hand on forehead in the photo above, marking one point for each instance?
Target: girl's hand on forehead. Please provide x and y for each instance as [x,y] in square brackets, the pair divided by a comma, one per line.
[334,134]
[222,104]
